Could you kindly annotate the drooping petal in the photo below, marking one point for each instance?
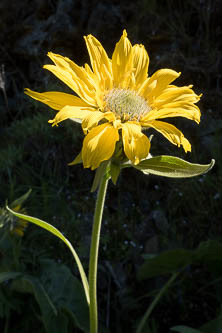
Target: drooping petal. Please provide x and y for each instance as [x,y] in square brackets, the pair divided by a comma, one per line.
[136,144]
[175,94]
[122,62]
[99,145]
[172,134]
[100,62]
[158,82]
[56,100]
[189,111]
[140,63]
[72,112]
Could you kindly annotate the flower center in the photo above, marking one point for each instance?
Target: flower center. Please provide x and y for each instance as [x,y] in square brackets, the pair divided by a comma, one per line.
[126,104]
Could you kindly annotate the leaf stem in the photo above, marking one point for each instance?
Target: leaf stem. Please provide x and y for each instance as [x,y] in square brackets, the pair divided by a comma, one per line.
[93,261]
[57,233]
[155,301]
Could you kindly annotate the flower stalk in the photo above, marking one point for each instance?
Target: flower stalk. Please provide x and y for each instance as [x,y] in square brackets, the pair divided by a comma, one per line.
[115,100]
[93,261]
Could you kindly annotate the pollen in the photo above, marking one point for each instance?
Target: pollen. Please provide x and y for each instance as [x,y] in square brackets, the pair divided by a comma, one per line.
[126,104]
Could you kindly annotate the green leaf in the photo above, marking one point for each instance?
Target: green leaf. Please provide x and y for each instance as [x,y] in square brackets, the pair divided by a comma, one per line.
[50,316]
[214,326]
[173,260]
[208,251]
[173,167]
[59,294]
[5,276]
[30,284]
[57,233]
[185,329]
[21,200]
[165,263]
[65,292]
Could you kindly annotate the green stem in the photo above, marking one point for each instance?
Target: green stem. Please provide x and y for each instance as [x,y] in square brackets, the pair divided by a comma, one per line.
[155,301]
[93,260]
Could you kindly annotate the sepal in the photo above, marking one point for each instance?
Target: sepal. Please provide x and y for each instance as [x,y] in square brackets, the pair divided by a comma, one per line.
[99,174]
[77,160]
[115,169]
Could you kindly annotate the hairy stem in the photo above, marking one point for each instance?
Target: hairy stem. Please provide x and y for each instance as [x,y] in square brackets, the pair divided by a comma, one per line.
[93,261]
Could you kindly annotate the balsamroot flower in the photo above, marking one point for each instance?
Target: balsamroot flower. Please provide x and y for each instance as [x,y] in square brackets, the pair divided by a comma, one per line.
[116,100]
[13,224]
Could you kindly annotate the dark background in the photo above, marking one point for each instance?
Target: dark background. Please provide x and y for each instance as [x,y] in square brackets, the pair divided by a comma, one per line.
[142,214]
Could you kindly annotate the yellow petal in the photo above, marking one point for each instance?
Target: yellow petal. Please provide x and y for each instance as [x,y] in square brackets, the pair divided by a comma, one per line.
[140,63]
[122,62]
[76,77]
[22,223]
[176,94]
[72,112]
[66,64]
[136,144]
[188,111]
[18,231]
[172,134]
[91,120]
[63,75]
[17,208]
[110,116]
[100,62]
[158,82]
[56,100]
[74,83]
[99,145]
[59,60]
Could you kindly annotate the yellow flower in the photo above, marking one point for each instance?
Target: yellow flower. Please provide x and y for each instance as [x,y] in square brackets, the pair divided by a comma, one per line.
[19,225]
[117,100]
